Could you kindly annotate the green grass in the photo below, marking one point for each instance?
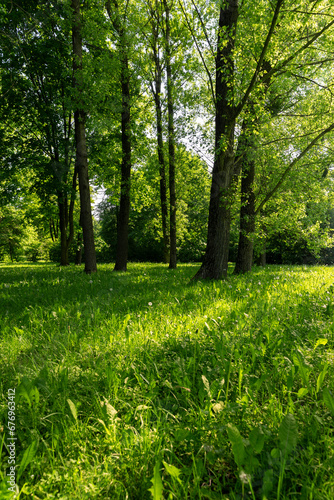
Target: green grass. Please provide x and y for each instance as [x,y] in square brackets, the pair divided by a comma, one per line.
[145,385]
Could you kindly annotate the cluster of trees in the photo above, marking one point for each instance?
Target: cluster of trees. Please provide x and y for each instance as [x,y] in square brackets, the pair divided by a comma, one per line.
[207,124]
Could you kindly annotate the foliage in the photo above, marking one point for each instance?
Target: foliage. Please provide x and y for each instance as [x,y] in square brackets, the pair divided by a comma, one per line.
[145,234]
[20,240]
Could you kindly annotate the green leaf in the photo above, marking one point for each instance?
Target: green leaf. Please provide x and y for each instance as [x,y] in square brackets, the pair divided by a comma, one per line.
[73,409]
[320,342]
[268,483]
[304,370]
[328,400]
[27,458]
[288,434]
[238,447]
[5,492]
[321,377]
[256,439]
[172,470]
[302,392]
[25,389]
[156,489]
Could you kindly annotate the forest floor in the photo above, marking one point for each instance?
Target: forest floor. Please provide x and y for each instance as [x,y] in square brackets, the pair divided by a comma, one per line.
[146,385]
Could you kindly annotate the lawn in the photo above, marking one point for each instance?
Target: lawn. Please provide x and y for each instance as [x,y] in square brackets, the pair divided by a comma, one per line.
[146,385]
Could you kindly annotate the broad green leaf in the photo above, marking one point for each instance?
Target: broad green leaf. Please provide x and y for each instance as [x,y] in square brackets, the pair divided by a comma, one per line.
[27,390]
[268,484]
[156,489]
[320,342]
[238,447]
[304,370]
[256,439]
[172,470]
[5,492]
[302,392]
[288,434]
[321,377]
[328,400]
[28,456]
[126,320]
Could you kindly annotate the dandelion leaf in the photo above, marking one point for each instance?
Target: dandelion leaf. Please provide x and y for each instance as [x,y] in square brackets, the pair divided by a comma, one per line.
[28,456]
[328,400]
[172,470]
[268,483]
[156,489]
[238,447]
[256,439]
[288,434]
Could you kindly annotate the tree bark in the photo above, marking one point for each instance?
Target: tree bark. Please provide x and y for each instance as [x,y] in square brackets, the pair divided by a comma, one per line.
[215,260]
[122,245]
[81,161]
[161,158]
[163,186]
[244,259]
[245,158]
[124,206]
[62,208]
[171,146]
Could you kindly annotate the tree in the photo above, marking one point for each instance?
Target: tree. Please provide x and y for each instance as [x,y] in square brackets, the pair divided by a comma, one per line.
[216,254]
[145,233]
[155,85]
[171,141]
[229,109]
[81,161]
[119,27]
[36,82]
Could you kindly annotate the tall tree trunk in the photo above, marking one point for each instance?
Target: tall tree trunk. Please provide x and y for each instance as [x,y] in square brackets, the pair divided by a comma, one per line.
[81,161]
[124,206]
[215,260]
[161,158]
[245,158]
[244,259]
[171,145]
[62,208]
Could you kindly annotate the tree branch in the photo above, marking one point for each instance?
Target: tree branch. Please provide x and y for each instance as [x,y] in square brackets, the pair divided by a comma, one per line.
[199,51]
[291,165]
[258,68]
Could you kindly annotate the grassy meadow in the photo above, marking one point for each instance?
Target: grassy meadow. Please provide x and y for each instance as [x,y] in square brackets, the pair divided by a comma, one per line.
[146,385]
